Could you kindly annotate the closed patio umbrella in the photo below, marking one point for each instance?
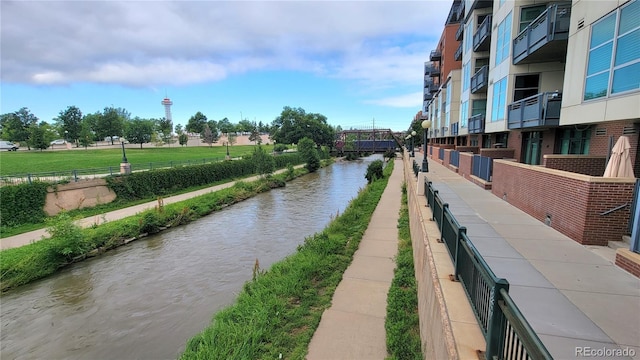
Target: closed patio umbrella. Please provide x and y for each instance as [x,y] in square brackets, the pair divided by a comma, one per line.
[619,164]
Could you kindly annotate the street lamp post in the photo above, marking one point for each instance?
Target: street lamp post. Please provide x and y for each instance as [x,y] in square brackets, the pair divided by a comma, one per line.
[413,136]
[407,144]
[425,126]
[125,167]
[228,156]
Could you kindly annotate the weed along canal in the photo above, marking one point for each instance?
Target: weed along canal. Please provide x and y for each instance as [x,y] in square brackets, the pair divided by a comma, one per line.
[146,299]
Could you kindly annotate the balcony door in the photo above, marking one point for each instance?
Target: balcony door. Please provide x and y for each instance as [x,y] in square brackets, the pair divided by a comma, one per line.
[525,86]
[532,147]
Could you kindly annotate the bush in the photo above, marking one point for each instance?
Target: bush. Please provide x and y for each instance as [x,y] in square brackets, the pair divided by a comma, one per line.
[23,204]
[280,148]
[307,149]
[390,154]
[351,156]
[374,171]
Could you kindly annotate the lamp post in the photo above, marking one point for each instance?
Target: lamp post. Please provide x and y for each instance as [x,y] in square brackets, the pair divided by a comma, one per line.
[425,126]
[413,136]
[66,135]
[407,144]
[125,167]
[228,156]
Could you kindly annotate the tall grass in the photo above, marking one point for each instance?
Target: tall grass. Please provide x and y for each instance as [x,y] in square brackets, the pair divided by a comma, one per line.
[276,314]
[402,322]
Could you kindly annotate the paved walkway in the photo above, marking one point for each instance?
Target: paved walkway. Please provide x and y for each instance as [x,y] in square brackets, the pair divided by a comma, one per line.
[37,235]
[572,295]
[353,327]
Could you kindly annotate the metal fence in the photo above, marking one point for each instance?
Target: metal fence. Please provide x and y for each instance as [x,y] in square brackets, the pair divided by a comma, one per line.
[441,154]
[416,168]
[482,167]
[82,174]
[454,158]
[507,333]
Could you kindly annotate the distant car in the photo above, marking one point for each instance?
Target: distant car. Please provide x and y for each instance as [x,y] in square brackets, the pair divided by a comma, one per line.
[115,138]
[58,142]
[8,145]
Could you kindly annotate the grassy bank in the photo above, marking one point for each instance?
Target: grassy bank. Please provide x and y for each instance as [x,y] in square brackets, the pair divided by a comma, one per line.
[70,243]
[276,314]
[402,322]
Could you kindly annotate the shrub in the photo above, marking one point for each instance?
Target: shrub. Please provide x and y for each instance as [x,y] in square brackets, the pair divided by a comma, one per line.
[279,148]
[67,240]
[390,154]
[23,204]
[374,171]
[307,149]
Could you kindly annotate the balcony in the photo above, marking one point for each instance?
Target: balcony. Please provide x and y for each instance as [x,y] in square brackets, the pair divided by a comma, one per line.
[476,124]
[545,39]
[482,36]
[480,80]
[427,96]
[457,56]
[538,111]
[480,4]
[454,129]
[460,32]
[435,55]
[435,71]
[427,70]
[433,87]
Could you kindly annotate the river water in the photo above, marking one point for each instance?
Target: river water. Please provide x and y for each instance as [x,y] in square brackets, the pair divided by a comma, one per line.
[146,299]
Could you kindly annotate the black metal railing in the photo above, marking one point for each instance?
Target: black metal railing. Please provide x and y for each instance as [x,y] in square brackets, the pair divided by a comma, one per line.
[454,158]
[507,333]
[435,55]
[482,35]
[552,24]
[458,54]
[455,128]
[460,31]
[482,167]
[476,124]
[540,110]
[480,79]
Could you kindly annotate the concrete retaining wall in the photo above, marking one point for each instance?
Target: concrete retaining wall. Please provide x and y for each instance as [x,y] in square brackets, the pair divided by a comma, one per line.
[77,195]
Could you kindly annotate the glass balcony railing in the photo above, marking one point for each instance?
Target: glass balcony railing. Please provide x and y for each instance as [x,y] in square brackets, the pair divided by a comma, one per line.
[482,36]
[435,55]
[480,80]
[538,111]
[476,124]
[545,39]
[457,56]
[460,32]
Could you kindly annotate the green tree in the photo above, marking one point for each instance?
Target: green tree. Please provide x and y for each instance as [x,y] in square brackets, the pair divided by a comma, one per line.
[255,135]
[196,123]
[16,126]
[264,163]
[207,135]
[164,127]
[111,123]
[245,126]
[294,124]
[183,139]
[69,123]
[38,136]
[139,131]
[85,137]
[308,152]
[231,138]
[92,121]
[225,126]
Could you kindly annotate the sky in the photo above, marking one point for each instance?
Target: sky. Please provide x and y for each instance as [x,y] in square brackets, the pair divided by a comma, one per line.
[359,63]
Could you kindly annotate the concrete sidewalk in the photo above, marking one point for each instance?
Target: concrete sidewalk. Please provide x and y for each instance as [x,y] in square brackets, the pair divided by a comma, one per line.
[573,296]
[353,327]
[37,235]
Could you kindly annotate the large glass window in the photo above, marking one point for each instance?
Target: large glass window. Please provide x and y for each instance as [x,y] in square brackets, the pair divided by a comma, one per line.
[498,102]
[464,114]
[528,14]
[614,53]
[480,63]
[575,141]
[525,86]
[466,76]
[468,37]
[448,104]
[504,40]
[478,107]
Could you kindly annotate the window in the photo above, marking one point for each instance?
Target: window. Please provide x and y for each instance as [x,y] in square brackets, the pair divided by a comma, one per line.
[614,53]
[480,63]
[499,99]
[473,140]
[528,14]
[447,109]
[575,141]
[468,38]
[464,114]
[504,39]
[525,86]
[478,107]
[466,76]
[500,3]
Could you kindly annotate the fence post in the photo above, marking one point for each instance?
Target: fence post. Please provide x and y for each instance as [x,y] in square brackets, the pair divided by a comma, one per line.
[496,324]
[29,178]
[75,175]
[462,231]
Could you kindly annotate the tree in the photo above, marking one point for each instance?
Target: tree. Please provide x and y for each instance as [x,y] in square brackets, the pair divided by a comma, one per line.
[92,121]
[69,123]
[139,131]
[16,126]
[183,139]
[255,135]
[213,126]
[225,126]
[295,124]
[111,123]
[207,135]
[38,136]
[196,123]
[85,137]
[179,129]
[307,149]
[164,127]
[231,138]
[264,163]
[245,126]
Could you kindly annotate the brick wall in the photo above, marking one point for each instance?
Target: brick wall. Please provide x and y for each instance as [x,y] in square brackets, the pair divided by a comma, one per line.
[498,153]
[629,261]
[599,144]
[466,165]
[580,164]
[473,149]
[571,202]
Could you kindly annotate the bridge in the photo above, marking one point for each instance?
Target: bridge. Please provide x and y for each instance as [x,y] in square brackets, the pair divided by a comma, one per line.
[367,141]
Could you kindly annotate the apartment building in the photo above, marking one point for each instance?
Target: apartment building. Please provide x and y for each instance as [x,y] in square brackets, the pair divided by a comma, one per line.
[538,77]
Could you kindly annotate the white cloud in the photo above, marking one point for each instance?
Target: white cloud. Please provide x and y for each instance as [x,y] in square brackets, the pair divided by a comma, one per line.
[146,43]
[402,101]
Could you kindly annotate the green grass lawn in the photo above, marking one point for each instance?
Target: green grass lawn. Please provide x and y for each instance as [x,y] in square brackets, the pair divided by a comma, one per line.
[25,162]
